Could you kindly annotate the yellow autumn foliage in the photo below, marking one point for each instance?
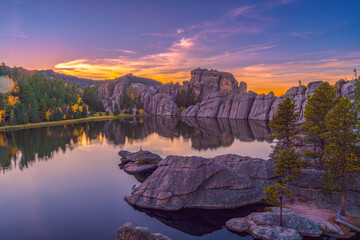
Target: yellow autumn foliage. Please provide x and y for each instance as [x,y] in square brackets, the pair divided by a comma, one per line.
[12,100]
[2,115]
[47,114]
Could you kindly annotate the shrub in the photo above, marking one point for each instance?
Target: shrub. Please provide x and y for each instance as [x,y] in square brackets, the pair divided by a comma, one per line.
[182,108]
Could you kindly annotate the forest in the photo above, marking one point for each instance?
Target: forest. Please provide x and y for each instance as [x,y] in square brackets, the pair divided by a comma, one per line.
[39,98]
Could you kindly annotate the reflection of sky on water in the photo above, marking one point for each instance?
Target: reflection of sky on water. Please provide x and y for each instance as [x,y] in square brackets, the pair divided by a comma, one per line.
[181,146]
[77,193]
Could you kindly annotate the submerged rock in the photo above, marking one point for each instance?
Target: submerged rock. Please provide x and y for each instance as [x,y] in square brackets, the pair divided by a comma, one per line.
[196,182]
[128,232]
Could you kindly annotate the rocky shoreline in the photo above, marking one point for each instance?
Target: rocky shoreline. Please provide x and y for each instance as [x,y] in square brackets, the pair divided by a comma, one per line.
[226,182]
[220,93]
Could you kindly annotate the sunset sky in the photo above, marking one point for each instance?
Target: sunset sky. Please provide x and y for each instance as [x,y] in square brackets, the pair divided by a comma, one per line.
[268,44]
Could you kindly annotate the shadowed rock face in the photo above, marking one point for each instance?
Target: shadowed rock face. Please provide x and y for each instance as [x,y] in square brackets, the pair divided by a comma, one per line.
[195,182]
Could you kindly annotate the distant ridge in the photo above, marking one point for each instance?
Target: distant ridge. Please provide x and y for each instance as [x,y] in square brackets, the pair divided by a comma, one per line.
[83,82]
[135,79]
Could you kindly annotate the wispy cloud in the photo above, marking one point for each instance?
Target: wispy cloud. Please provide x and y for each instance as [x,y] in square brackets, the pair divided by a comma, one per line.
[201,45]
[10,21]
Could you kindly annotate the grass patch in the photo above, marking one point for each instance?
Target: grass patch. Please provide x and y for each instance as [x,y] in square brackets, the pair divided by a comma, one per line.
[63,122]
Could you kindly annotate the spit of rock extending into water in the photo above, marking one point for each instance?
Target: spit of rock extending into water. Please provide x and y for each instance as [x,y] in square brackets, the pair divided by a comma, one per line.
[229,182]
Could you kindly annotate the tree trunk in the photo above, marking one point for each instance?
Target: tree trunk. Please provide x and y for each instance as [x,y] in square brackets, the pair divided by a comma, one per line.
[281,223]
[343,204]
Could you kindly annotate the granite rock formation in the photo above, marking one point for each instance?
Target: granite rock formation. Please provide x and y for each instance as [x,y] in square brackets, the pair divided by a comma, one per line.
[265,225]
[223,182]
[220,93]
[128,232]
[141,162]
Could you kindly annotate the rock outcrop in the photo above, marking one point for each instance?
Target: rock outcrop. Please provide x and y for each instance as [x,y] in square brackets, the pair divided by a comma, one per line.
[223,182]
[141,162]
[220,94]
[128,232]
[206,82]
[261,107]
[265,225]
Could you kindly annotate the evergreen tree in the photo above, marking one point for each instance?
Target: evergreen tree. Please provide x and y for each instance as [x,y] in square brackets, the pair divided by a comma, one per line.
[116,110]
[316,109]
[288,162]
[284,123]
[341,151]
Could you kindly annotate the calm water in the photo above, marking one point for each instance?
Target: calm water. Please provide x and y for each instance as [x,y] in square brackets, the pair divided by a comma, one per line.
[64,182]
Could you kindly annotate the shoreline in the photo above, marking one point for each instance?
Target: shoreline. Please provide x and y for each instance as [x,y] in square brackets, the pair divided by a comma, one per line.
[63,122]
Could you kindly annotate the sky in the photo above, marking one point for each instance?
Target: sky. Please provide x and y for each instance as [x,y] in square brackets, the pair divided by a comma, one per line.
[268,44]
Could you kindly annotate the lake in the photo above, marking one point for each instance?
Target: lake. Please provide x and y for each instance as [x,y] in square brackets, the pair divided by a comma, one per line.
[64,182]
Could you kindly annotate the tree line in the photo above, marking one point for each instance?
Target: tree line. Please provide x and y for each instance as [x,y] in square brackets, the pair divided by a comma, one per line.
[38,98]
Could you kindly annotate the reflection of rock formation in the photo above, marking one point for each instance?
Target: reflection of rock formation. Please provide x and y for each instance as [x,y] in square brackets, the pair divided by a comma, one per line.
[198,222]
[204,133]
[118,130]
[213,132]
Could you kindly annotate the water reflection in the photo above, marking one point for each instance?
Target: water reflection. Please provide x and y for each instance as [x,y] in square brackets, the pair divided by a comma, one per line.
[23,148]
[199,222]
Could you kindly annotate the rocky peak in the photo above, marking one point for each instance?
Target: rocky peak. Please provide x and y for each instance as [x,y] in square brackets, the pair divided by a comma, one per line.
[205,82]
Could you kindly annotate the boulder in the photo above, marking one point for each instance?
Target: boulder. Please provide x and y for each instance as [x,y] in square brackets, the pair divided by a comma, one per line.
[128,232]
[265,232]
[196,182]
[261,107]
[265,225]
[140,162]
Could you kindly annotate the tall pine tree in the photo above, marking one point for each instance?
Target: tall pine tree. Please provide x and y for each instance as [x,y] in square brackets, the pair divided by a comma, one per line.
[316,109]
[341,151]
[288,162]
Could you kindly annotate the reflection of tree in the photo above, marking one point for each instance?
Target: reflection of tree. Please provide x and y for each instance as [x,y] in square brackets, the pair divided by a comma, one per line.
[24,147]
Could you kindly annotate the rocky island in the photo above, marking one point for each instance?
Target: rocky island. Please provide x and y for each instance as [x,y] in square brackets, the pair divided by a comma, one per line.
[231,182]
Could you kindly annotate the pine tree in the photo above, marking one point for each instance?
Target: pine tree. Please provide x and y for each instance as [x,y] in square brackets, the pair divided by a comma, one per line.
[288,162]
[316,109]
[341,152]
[284,123]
